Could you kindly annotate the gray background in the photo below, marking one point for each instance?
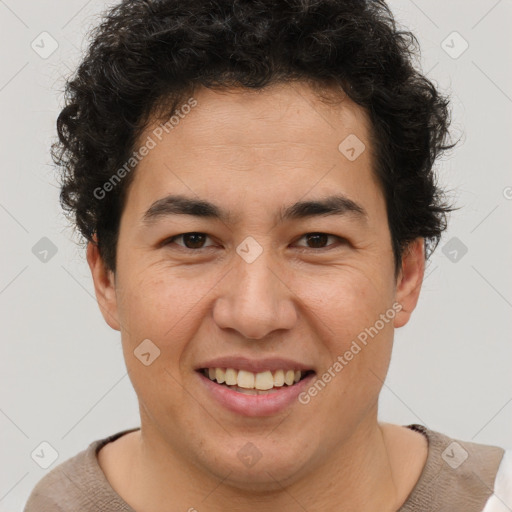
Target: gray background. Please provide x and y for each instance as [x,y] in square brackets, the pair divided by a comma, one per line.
[63,376]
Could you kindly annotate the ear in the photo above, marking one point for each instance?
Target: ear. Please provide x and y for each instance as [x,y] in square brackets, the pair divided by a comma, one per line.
[409,280]
[104,285]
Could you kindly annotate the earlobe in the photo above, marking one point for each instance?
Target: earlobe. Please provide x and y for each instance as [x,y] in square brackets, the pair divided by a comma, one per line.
[410,279]
[104,285]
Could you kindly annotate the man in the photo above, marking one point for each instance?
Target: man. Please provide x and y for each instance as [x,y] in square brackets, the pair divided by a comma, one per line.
[254,180]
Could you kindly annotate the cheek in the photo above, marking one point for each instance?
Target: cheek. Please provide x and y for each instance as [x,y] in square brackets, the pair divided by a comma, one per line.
[168,308]
[344,301]
[161,307]
[159,317]
[346,310]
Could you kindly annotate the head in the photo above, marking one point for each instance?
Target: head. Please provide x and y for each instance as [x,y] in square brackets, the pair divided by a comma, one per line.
[294,142]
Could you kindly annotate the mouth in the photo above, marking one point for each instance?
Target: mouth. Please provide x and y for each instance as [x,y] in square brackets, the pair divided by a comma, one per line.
[246,399]
[251,383]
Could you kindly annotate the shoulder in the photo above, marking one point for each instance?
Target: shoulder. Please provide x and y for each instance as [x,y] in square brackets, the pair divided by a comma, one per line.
[59,489]
[501,498]
[77,484]
[460,475]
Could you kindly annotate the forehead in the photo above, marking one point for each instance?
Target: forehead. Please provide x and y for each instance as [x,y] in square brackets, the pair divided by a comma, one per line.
[276,115]
[280,137]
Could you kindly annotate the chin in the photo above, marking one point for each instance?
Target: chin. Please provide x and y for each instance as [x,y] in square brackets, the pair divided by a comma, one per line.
[262,469]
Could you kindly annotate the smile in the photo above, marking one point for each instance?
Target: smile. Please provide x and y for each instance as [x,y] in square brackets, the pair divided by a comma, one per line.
[252,383]
[254,394]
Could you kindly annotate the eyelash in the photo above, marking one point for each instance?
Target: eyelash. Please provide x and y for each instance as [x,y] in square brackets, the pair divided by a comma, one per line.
[171,240]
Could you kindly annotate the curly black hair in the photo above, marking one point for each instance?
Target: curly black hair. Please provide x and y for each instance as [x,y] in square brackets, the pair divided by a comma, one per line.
[147,56]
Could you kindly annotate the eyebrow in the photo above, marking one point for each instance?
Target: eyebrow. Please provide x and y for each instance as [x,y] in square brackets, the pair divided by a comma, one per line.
[183,205]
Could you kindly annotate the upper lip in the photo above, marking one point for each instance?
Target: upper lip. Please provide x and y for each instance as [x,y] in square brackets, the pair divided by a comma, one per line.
[254,365]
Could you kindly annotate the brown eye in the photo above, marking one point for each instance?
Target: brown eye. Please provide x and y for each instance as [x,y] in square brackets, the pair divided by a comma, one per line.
[190,240]
[319,240]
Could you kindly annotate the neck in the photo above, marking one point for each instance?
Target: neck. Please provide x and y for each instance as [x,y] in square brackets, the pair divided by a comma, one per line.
[363,474]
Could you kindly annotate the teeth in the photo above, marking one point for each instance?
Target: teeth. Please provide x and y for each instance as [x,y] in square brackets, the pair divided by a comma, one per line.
[231,377]
[220,375]
[279,378]
[264,380]
[248,380]
[245,379]
[289,377]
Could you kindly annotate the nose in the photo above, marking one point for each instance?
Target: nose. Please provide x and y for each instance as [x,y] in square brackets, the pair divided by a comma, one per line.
[255,299]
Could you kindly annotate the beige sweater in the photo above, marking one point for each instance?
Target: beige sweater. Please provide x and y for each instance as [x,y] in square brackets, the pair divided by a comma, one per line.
[458,476]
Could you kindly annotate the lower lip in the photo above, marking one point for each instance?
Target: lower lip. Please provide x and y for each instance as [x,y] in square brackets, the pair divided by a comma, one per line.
[255,405]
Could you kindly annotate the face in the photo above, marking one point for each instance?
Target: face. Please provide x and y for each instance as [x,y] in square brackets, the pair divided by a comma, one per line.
[257,284]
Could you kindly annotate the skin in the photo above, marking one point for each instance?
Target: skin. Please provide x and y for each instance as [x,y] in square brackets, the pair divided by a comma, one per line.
[253,153]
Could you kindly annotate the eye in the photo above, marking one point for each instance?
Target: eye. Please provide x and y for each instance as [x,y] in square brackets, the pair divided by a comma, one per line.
[320,239]
[192,241]
[195,240]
